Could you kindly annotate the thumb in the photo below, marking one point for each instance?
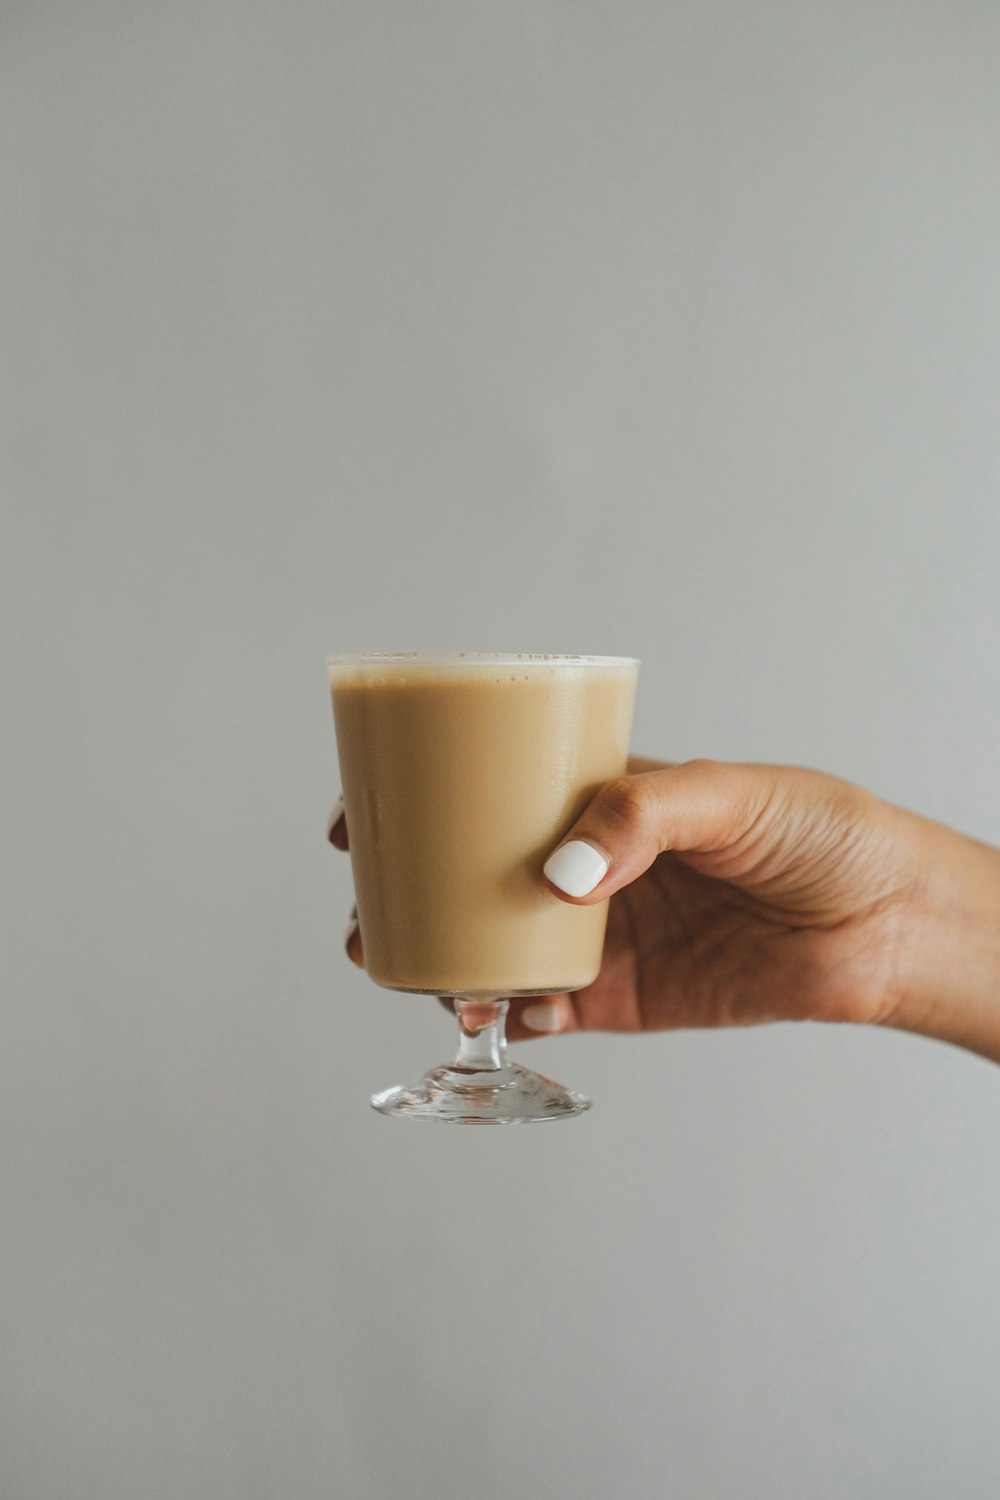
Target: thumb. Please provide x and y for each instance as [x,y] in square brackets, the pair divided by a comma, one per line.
[702,807]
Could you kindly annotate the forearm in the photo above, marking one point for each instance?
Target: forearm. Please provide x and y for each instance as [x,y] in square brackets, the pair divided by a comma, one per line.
[949,960]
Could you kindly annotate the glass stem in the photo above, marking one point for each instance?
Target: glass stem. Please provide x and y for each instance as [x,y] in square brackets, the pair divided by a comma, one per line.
[482,1045]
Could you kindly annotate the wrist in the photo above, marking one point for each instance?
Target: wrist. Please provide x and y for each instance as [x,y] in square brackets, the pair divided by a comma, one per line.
[949,956]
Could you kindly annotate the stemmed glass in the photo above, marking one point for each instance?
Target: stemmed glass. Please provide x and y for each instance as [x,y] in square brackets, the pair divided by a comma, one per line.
[460,774]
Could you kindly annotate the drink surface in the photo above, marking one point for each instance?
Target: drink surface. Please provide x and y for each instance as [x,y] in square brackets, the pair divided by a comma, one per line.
[458,781]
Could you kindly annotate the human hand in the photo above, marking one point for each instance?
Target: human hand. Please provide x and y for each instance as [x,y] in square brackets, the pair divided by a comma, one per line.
[739,894]
[746,893]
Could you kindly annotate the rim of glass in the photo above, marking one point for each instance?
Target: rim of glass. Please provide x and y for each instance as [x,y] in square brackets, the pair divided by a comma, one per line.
[473,659]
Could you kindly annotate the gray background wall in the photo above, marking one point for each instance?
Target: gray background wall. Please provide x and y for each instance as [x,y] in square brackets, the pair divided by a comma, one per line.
[667,329]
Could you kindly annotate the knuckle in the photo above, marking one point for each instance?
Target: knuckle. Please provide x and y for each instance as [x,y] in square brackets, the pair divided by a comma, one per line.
[849,808]
[702,767]
[744,796]
[628,801]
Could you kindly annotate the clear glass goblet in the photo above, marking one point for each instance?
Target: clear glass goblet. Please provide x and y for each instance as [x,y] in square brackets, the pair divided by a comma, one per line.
[460,774]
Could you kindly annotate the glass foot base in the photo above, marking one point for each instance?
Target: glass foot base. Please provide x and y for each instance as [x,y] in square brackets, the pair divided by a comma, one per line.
[508,1095]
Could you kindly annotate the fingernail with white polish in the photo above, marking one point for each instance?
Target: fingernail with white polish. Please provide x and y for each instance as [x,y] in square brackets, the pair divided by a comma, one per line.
[542,1017]
[335,816]
[577,867]
[352,928]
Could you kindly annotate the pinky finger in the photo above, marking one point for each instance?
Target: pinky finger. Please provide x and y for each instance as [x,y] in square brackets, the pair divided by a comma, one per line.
[543,1015]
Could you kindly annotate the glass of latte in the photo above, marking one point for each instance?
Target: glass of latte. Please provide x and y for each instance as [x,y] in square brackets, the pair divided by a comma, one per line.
[460,774]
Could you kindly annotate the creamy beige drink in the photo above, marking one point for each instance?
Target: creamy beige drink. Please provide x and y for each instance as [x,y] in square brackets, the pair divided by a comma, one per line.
[460,774]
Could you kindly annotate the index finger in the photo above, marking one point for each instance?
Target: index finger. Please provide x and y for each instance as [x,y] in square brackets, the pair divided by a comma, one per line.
[336,827]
